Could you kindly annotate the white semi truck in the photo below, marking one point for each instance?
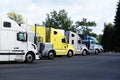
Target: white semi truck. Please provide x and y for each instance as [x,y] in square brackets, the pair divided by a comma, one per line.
[76,41]
[14,44]
[92,44]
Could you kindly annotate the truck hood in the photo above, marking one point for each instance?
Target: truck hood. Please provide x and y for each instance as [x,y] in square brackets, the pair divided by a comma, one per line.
[32,46]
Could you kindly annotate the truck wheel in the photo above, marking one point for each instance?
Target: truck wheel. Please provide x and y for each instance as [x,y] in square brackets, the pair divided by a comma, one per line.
[29,58]
[51,55]
[96,52]
[70,53]
[84,53]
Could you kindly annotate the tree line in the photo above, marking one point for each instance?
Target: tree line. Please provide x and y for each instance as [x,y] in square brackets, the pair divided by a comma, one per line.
[60,20]
[111,34]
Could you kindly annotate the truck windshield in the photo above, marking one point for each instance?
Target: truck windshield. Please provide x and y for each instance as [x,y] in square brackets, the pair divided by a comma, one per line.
[64,40]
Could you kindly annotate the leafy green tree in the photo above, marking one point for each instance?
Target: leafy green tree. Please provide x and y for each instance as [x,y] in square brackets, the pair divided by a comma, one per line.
[59,20]
[116,37]
[107,37]
[16,17]
[83,26]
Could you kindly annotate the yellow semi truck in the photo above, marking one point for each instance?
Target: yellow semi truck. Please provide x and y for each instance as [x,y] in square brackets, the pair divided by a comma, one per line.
[58,40]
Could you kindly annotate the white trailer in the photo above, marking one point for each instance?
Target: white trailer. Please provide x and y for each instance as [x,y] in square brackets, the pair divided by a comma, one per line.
[76,41]
[14,44]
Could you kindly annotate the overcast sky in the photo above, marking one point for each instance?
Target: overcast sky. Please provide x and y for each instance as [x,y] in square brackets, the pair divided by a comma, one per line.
[34,11]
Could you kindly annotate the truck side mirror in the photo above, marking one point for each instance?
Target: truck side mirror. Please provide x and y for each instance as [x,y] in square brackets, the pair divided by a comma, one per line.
[63,41]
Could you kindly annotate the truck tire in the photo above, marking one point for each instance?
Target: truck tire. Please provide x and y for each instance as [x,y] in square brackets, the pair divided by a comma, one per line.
[70,54]
[84,53]
[29,58]
[51,55]
[96,51]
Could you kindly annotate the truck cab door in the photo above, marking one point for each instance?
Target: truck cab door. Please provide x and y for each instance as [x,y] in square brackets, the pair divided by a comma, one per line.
[20,46]
[64,46]
[91,48]
[22,41]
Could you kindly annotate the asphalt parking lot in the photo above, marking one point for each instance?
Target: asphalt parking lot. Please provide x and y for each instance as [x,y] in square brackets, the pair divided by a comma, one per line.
[105,66]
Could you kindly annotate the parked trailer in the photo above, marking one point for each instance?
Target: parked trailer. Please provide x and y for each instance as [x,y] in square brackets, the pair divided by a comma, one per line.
[44,48]
[14,44]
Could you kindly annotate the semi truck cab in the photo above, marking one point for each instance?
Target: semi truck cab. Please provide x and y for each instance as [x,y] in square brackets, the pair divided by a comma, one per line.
[14,44]
[58,42]
[76,41]
[93,46]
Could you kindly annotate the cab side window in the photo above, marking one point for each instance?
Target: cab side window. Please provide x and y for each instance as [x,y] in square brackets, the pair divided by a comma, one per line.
[72,41]
[79,42]
[22,36]
[7,24]
[92,42]
[63,40]
[72,35]
[55,32]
